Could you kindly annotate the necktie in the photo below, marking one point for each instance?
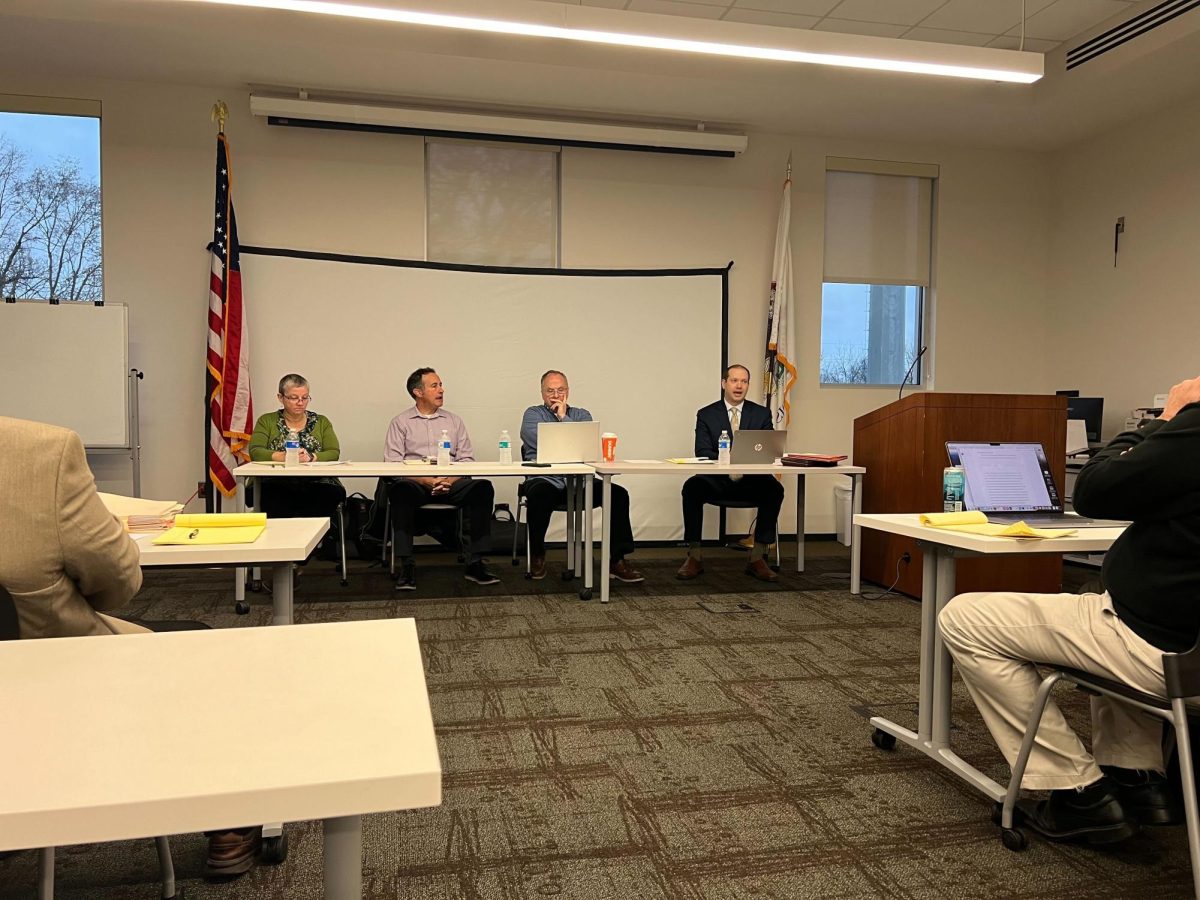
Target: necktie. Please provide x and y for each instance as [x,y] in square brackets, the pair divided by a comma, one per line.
[735,417]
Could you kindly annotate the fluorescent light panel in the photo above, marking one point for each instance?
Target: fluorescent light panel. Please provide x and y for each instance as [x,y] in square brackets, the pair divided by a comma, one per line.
[1025,67]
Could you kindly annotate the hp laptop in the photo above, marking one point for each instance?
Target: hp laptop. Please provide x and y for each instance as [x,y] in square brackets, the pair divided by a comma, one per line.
[757,447]
[568,442]
[1011,482]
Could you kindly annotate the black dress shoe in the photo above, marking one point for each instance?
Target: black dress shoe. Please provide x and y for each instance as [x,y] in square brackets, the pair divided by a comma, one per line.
[1147,797]
[478,573]
[408,577]
[1092,813]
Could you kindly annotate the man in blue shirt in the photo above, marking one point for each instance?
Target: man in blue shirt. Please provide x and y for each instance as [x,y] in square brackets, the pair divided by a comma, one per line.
[545,493]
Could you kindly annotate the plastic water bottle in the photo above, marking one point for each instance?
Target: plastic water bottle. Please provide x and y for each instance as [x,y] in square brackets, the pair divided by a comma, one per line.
[505,448]
[443,458]
[291,450]
[723,449]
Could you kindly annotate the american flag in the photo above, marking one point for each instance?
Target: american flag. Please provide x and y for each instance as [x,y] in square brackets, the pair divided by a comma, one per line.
[230,407]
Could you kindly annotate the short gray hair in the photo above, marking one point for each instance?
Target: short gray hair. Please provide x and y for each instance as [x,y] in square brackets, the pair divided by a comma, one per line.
[291,381]
[550,372]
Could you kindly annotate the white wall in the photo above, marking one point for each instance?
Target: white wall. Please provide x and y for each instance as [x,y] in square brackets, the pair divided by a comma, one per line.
[1128,332]
[363,193]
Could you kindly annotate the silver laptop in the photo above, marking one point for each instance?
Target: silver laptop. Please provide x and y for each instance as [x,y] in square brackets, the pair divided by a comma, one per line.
[1011,482]
[568,442]
[757,447]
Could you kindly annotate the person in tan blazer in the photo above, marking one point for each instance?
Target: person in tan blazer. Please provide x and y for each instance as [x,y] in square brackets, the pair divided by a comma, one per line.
[64,557]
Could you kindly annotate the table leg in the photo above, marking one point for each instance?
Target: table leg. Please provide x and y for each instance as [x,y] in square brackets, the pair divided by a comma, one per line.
[587,537]
[343,858]
[239,574]
[934,703]
[855,535]
[605,534]
[580,514]
[281,593]
[571,513]
[800,483]
[46,873]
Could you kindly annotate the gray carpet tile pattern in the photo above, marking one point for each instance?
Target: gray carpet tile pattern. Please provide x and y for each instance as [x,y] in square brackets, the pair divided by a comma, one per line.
[650,749]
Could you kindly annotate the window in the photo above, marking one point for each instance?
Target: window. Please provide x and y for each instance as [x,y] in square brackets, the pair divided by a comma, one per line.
[878,235]
[489,204]
[50,245]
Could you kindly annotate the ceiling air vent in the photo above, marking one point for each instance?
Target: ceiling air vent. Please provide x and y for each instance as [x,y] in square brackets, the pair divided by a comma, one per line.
[1127,31]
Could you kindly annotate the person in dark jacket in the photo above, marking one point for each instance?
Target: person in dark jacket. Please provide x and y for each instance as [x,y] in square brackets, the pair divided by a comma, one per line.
[733,412]
[1150,477]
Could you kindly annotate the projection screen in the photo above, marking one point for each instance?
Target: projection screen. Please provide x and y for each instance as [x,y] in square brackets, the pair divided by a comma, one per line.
[642,350]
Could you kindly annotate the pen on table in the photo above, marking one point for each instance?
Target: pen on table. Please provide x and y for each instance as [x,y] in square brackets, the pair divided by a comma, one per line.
[193,534]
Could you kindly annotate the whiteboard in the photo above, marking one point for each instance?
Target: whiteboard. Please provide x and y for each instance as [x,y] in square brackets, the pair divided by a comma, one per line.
[642,351]
[67,365]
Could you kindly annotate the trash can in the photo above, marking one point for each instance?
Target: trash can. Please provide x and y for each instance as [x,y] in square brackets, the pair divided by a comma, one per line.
[842,514]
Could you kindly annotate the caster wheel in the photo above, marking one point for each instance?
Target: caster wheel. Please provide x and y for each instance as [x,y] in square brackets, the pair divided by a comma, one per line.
[585,594]
[255,585]
[241,608]
[1013,840]
[529,576]
[345,582]
[883,740]
[516,562]
[274,850]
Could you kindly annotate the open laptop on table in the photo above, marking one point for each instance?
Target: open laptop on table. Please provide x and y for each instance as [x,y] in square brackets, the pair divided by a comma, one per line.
[1011,482]
[751,446]
[568,442]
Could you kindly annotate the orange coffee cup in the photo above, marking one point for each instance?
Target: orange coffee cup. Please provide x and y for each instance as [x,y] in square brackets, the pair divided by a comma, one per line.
[608,446]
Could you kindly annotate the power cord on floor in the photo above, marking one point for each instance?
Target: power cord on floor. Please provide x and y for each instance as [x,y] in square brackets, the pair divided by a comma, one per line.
[903,558]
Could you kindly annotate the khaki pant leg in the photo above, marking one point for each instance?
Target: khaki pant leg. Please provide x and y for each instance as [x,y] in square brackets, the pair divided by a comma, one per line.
[994,639]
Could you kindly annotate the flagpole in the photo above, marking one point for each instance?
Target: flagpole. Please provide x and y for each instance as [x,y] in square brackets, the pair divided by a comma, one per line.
[218,114]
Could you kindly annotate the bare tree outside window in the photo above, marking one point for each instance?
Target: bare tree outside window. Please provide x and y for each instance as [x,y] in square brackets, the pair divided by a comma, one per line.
[50,208]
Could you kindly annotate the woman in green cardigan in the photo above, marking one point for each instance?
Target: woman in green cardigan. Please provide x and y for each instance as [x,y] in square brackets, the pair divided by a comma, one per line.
[287,498]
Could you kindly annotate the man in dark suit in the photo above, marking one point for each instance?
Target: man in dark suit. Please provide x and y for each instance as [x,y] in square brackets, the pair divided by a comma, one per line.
[733,412]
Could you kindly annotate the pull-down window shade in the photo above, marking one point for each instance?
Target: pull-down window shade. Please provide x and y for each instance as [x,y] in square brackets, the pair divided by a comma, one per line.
[877,228]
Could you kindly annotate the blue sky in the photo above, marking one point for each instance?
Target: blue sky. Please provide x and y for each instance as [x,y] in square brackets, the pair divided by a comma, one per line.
[46,138]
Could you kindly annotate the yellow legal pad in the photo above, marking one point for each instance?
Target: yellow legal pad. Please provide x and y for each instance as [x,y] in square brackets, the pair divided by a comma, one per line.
[215,528]
[976,523]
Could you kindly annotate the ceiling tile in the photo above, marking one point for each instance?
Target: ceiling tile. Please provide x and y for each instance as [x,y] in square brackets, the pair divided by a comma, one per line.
[946,36]
[1068,18]
[895,12]
[676,8]
[761,17]
[794,7]
[1012,42]
[983,16]
[874,29]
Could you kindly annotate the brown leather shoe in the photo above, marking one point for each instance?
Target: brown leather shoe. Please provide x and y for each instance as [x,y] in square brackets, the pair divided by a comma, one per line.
[537,567]
[623,571]
[232,852]
[691,568]
[759,569]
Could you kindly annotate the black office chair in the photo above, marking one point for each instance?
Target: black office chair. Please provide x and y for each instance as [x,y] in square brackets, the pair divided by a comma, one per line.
[1182,674]
[265,501]
[10,631]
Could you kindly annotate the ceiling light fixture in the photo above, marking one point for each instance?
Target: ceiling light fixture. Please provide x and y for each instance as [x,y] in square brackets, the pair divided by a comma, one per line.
[817,47]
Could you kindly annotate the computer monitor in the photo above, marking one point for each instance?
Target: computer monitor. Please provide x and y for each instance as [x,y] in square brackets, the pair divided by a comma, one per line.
[1091,410]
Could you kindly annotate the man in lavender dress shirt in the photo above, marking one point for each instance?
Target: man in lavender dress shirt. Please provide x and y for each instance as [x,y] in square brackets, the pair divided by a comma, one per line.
[414,435]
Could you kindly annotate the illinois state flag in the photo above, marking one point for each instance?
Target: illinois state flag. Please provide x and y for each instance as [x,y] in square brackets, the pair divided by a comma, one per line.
[779,365]
[230,407]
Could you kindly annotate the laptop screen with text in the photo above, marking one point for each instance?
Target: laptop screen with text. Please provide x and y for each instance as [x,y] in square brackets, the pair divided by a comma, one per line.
[1005,477]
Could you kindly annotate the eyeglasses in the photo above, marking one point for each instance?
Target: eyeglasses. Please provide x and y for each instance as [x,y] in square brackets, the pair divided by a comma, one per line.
[554,392]
[295,399]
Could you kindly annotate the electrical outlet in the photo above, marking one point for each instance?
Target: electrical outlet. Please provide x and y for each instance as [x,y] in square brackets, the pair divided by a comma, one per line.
[906,557]
[201,493]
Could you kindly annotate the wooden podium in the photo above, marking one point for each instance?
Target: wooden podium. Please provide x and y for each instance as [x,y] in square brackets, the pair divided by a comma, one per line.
[903,446]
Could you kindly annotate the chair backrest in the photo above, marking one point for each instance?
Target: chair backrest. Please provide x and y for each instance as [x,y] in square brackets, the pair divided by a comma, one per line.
[1182,672]
[10,627]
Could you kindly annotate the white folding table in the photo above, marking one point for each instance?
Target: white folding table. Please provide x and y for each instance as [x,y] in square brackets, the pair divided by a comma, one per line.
[579,496]
[942,549]
[283,543]
[116,738]
[800,473]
